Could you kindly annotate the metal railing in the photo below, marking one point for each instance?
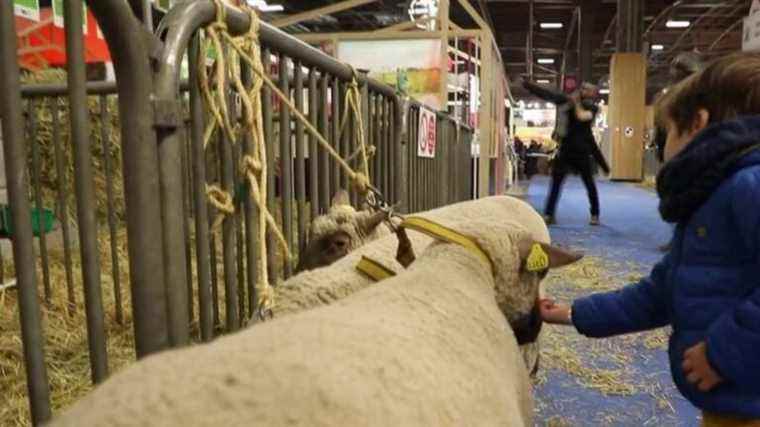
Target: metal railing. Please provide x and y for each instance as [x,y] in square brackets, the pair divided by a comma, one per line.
[185,282]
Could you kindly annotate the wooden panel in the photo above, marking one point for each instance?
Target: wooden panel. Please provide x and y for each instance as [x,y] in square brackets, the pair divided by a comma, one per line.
[627,119]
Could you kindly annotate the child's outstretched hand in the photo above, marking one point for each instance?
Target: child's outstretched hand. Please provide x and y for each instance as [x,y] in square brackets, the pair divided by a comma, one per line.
[698,370]
[552,312]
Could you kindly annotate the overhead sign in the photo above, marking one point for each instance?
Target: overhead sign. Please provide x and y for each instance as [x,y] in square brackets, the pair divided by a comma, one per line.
[58,15]
[29,9]
[427,134]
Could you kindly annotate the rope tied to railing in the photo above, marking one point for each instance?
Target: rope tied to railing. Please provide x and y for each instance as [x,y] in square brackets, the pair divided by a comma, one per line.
[246,49]
[222,201]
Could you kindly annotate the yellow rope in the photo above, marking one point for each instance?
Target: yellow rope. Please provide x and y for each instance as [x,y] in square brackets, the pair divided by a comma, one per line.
[360,180]
[254,165]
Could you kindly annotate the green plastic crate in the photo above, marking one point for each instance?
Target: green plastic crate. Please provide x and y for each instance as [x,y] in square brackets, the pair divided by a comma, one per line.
[47,216]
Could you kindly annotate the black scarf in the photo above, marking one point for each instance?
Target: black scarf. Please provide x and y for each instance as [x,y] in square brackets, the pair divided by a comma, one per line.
[686,182]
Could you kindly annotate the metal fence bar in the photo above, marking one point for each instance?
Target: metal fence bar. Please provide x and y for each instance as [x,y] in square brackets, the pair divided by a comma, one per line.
[227,178]
[106,142]
[202,241]
[267,106]
[23,246]
[250,212]
[286,163]
[37,186]
[300,165]
[85,194]
[395,165]
[130,50]
[62,202]
[346,135]
[335,141]
[313,149]
[187,209]
[324,129]
[239,219]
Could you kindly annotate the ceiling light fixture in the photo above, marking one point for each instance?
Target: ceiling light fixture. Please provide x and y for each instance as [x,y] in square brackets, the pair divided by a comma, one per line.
[551,25]
[677,24]
[264,7]
[546,60]
[657,47]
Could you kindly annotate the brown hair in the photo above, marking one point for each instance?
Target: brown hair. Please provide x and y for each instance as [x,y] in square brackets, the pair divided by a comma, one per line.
[728,88]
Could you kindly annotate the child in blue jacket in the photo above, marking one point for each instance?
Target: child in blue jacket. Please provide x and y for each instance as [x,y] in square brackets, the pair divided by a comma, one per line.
[708,286]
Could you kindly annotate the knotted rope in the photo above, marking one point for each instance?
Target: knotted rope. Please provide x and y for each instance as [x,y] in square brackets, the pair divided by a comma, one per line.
[246,48]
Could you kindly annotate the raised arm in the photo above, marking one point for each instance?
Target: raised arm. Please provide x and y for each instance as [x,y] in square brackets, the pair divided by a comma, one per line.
[546,94]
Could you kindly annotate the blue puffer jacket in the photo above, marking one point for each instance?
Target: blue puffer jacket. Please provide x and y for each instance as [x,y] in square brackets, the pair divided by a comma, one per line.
[707,288]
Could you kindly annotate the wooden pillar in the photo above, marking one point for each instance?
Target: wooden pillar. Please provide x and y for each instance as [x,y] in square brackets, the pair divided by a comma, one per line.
[627,115]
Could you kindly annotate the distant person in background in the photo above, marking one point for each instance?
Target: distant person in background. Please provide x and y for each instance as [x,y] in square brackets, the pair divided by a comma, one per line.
[531,162]
[682,66]
[577,147]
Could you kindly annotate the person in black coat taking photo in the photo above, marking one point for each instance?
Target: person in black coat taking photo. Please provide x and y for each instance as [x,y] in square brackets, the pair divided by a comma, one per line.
[577,147]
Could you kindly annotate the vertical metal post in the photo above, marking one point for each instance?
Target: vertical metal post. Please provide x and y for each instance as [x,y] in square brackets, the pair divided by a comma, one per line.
[377,119]
[251,212]
[60,171]
[364,110]
[239,238]
[346,137]
[199,190]
[270,149]
[147,12]
[300,168]
[226,175]
[23,246]
[80,138]
[37,185]
[336,117]
[106,141]
[187,209]
[313,149]
[128,45]
[402,171]
[324,129]
[286,163]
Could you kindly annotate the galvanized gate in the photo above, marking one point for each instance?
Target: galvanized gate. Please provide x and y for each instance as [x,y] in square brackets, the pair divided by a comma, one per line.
[185,282]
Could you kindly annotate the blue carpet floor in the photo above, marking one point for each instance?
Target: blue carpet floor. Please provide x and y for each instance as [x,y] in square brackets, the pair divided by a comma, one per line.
[628,239]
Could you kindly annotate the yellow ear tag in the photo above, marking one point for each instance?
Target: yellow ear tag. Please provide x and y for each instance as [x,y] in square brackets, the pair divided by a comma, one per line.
[537,260]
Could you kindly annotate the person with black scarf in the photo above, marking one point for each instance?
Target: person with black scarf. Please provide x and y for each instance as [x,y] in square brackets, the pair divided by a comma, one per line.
[577,147]
[683,65]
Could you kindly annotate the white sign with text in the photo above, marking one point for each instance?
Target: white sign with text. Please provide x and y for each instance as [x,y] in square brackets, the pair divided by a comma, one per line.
[426,136]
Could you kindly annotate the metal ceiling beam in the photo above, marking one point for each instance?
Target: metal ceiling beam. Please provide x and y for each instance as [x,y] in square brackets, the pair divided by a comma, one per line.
[704,16]
[667,12]
[570,31]
[725,33]
[529,50]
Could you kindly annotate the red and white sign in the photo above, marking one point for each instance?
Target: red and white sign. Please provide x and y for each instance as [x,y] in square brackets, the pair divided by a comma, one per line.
[427,134]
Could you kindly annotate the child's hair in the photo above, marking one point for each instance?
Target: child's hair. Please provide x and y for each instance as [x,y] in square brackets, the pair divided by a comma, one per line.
[728,88]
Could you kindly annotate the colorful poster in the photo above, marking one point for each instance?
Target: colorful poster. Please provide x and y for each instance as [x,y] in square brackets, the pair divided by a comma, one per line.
[414,66]
[58,15]
[29,9]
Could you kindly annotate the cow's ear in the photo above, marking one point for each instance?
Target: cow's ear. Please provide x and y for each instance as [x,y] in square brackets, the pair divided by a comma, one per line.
[537,256]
